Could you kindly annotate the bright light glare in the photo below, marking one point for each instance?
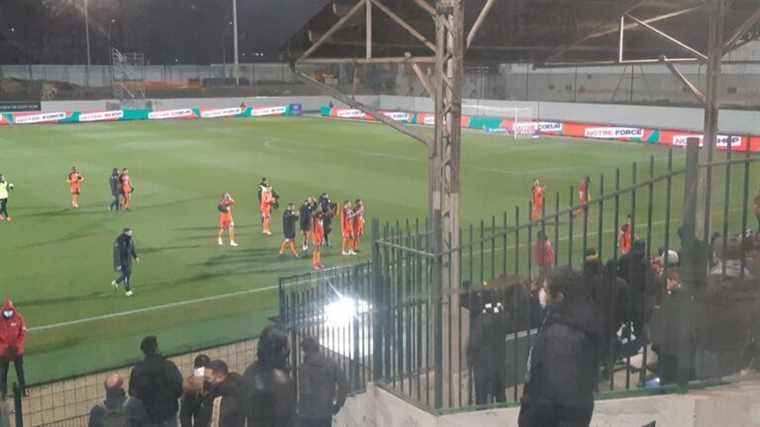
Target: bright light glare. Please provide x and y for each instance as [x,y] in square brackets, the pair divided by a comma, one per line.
[341,312]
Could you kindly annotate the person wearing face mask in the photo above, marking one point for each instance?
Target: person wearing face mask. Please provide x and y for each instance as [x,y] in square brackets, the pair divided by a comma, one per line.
[195,409]
[563,361]
[12,338]
[226,390]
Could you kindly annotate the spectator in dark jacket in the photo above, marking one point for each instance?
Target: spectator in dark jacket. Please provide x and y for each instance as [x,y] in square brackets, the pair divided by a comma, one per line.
[124,254]
[157,382]
[563,362]
[270,392]
[12,340]
[115,184]
[487,348]
[195,410]
[117,409]
[323,387]
[227,391]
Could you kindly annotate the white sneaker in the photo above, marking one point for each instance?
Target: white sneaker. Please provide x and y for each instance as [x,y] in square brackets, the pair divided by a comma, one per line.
[351,253]
[304,248]
[233,243]
[130,293]
[221,242]
[115,284]
[344,253]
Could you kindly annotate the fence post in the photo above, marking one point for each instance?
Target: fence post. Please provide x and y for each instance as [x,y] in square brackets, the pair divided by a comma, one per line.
[377,304]
[693,265]
[17,406]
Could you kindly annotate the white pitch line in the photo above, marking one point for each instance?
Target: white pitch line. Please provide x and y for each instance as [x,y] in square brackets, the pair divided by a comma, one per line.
[147,309]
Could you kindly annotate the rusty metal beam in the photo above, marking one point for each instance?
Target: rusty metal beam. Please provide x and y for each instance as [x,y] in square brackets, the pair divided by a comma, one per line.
[680,76]
[426,6]
[364,61]
[479,22]
[743,29]
[335,93]
[561,50]
[424,81]
[334,29]
[403,24]
[669,38]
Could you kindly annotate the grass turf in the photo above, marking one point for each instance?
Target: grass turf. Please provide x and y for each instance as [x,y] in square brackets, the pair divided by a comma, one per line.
[56,263]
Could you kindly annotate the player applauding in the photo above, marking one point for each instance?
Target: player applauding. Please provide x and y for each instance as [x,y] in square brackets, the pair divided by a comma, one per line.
[126,188]
[347,228]
[75,180]
[537,191]
[226,223]
[359,222]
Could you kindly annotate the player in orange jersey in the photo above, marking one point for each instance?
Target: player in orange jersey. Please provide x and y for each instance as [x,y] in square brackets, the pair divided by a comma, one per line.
[347,228]
[625,237]
[318,238]
[537,191]
[358,224]
[126,188]
[584,195]
[267,200]
[75,180]
[226,222]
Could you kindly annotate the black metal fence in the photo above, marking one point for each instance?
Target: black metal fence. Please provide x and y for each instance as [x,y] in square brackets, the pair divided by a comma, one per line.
[428,325]
[333,306]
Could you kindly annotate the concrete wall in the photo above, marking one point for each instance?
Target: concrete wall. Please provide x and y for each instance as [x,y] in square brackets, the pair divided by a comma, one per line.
[731,121]
[310,103]
[733,405]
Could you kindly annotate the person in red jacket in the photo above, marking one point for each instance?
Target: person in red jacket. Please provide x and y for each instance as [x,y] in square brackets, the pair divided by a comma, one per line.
[12,337]
[543,254]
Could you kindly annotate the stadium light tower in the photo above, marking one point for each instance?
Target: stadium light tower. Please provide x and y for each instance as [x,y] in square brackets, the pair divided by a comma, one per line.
[87,30]
[235,42]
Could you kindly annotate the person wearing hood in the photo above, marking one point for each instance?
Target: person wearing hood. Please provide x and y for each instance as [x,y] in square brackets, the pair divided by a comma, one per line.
[12,338]
[157,382]
[195,410]
[117,408]
[563,361]
[323,386]
[226,390]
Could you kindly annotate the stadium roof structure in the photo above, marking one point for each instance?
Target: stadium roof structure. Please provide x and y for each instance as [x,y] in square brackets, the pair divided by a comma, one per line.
[541,32]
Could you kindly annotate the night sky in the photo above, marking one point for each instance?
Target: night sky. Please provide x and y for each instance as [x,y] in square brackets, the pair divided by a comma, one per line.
[167,31]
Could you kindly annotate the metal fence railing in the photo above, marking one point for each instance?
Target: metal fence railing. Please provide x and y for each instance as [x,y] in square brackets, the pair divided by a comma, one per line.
[334,307]
[427,341]
[68,402]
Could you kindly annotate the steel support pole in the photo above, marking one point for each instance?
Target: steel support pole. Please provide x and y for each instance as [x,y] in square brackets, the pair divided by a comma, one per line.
[87,40]
[368,18]
[444,181]
[712,108]
[235,39]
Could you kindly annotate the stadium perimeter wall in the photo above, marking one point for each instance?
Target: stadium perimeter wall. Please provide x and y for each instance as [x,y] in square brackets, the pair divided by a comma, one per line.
[740,122]
[730,405]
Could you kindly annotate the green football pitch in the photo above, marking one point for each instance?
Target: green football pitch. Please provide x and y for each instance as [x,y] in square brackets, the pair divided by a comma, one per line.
[56,263]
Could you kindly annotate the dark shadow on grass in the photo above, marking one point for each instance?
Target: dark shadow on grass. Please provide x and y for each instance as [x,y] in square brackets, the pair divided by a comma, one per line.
[211,228]
[50,213]
[65,239]
[103,294]
[167,248]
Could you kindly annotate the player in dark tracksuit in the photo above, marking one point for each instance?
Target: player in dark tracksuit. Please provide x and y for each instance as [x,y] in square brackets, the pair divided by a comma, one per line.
[305,213]
[289,219]
[123,255]
[115,190]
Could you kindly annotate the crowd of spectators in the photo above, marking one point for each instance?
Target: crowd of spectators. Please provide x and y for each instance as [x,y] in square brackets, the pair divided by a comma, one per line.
[214,396]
